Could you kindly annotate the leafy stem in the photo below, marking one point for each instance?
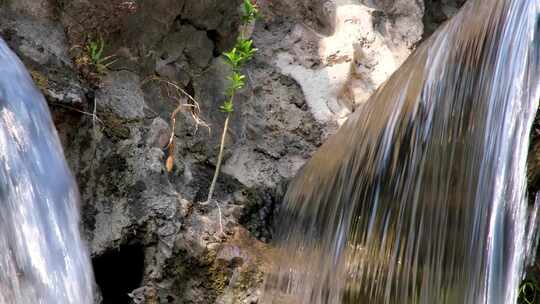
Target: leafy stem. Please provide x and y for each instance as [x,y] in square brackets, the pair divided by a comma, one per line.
[250,10]
[94,50]
[236,58]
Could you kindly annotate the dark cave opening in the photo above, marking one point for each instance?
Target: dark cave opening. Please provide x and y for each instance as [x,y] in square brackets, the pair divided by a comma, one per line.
[214,36]
[118,272]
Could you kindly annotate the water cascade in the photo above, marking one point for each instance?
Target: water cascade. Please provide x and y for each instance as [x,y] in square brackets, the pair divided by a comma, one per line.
[420,197]
[42,257]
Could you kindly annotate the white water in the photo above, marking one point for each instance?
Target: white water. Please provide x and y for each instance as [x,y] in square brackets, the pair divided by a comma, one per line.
[42,257]
[420,197]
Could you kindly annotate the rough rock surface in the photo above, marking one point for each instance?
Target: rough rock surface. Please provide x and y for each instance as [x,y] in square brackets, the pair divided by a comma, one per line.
[338,72]
[317,61]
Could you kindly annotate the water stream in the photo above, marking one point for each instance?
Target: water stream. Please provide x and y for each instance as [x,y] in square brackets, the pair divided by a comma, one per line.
[420,197]
[42,257]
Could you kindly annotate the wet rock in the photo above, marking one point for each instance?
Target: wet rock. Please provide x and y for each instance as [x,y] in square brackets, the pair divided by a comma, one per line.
[248,259]
[437,12]
[42,46]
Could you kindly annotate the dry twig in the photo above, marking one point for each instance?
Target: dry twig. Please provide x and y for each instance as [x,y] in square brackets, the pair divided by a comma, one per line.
[192,104]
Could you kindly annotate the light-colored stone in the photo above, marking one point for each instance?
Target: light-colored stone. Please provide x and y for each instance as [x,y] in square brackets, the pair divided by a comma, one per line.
[354,60]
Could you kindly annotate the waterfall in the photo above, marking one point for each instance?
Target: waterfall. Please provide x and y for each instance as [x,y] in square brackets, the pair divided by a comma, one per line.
[420,196]
[42,257]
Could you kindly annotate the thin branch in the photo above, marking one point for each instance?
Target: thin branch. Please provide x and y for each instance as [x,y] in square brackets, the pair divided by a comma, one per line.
[235,60]
[218,167]
[195,107]
[195,114]
[93,115]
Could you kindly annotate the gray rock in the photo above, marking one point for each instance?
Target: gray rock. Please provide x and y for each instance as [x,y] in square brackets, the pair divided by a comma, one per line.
[121,93]
[219,18]
[188,42]
[42,46]
[159,133]
[39,9]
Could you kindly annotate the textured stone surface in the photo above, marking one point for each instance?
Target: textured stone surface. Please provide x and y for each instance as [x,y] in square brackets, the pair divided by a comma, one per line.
[121,93]
[439,11]
[43,47]
[339,71]
[38,9]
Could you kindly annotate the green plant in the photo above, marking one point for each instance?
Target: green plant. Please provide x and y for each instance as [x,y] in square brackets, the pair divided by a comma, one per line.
[241,53]
[251,12]
[528,292]
[94,50]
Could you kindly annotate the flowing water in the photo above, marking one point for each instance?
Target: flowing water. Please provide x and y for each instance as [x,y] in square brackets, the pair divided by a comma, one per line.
[420,197]
[42,257]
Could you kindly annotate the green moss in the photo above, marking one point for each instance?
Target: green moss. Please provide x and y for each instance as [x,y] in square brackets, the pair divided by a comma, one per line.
[219,277]
[219,273]
[250,277]
[40,80]
[209,273]
[115,127]
[528,292]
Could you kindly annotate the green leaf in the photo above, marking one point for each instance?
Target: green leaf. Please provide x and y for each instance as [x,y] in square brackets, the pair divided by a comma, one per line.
[245,49]
[95,50]
[237,80]
[101,47]
[250,11]
[227,106]
[233,57]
